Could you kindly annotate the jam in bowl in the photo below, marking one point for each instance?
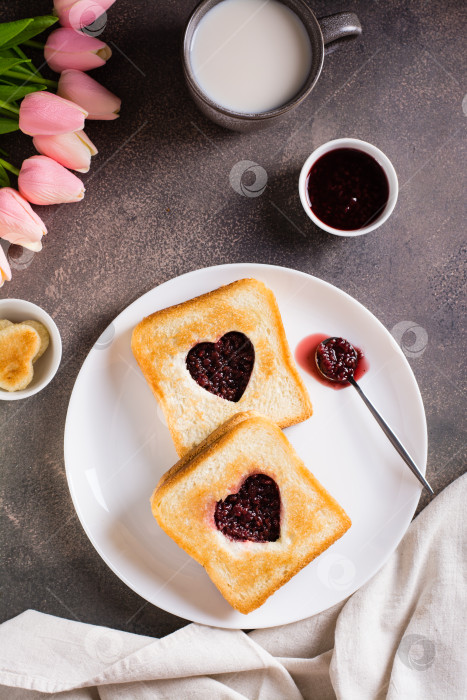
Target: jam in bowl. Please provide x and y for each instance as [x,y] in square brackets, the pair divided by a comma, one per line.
[348,187]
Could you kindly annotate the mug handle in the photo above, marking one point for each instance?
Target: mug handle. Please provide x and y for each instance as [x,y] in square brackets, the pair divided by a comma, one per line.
[339,26]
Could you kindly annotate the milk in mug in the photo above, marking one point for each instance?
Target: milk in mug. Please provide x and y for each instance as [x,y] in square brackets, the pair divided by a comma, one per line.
[250,56]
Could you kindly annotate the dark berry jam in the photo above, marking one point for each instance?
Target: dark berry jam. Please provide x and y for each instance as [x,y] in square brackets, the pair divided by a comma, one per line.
[223,368]
[337,359]
[253,513]
[347,189]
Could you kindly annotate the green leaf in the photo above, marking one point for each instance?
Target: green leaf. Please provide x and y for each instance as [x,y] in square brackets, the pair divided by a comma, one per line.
[31,78]
[10,53]
[9,167]
[12,93]
[7,64]
[35,26]
[10,30]
[4,179]
[11,107]
[25,66]
[8,125]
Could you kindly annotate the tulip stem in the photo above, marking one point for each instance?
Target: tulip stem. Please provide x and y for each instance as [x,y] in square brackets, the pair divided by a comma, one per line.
[19,52]
[30,78]
[34,44]
[9,166]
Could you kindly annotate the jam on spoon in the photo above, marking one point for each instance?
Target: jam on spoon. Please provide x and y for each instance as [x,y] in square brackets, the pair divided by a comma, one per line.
[305,358]
[336,360]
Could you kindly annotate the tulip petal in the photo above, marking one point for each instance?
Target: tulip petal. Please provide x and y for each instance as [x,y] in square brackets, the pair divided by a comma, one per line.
[80,13]
[80,61]
[66,48]
[62,5]
[43,181]
[42,113]
[72,150]
[84,13]
[80,88]
[85,138]
[5,270]
[67,40]
[19,223]
[103,117]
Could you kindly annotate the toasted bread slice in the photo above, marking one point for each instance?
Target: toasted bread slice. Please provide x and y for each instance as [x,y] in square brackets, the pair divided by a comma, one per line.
[43,335]
[18,347]
[161,344]
[185,504]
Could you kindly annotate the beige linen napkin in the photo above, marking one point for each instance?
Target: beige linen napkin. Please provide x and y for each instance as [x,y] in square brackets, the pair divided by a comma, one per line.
[402,635]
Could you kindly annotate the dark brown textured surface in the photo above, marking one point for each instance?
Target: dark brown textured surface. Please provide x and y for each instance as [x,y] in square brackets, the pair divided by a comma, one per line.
[159,203]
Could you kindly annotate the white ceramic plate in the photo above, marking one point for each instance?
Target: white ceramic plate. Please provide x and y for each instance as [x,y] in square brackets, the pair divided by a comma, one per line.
[117,446]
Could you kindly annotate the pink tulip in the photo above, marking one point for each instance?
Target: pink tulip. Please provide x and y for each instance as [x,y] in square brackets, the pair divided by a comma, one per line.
[45,114]
[5,271]
[19,224]
[80,13]
[43,181]
[66,48]
[79,87]
[73,150]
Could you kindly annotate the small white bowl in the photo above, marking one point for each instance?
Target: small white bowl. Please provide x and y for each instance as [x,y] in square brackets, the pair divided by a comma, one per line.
[366,147]
[16,310]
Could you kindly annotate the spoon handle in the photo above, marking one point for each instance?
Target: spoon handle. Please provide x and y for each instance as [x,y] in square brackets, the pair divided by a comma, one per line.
[391,437]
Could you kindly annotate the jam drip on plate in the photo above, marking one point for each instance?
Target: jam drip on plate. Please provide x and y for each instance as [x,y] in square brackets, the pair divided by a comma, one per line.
[253,513]
[223,368]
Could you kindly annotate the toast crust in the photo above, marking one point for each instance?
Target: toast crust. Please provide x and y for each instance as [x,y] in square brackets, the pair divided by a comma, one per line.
[161,342]
[247,573]
[43,335]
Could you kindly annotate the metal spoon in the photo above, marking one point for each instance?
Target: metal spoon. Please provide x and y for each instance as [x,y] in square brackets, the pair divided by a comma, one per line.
[381,422]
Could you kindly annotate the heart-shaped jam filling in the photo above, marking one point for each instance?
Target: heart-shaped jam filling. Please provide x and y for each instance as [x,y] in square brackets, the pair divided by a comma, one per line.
[253,513]
[223,368]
